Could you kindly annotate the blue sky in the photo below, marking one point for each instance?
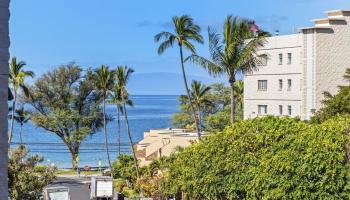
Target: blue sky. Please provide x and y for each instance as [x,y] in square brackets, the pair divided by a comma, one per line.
[46,33]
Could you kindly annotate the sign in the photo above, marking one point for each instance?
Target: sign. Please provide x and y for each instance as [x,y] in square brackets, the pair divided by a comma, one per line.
[86,168]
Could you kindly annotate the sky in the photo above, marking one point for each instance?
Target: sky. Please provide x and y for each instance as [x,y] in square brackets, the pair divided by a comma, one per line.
[48,33]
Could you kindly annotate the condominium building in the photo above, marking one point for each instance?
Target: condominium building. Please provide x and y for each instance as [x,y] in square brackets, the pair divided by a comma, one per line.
[296,69]
[163,142]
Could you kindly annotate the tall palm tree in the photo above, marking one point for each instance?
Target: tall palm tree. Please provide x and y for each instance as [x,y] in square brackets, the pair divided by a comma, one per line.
[233,54]
[238,95]
[104,79]
[198,95]
[185,32]
[17,77]
[117,99]
[123,74]
[21,117]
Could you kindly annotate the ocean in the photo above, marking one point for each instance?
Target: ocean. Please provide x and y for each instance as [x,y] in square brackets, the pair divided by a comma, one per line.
[149,112]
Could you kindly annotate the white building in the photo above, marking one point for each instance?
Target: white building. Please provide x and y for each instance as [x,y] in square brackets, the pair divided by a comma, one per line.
[298,68]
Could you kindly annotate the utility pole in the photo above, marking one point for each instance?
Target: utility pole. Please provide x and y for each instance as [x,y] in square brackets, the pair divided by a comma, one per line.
[4,58]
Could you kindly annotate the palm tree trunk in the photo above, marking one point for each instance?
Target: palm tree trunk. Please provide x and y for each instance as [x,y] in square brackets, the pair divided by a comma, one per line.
[13,115]
[188,92]
[199,118]
[118,121]
[233,104]
[20,134]
[105,133]
[131,145]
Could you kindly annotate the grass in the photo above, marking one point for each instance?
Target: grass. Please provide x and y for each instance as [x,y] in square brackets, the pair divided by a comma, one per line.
[74,172]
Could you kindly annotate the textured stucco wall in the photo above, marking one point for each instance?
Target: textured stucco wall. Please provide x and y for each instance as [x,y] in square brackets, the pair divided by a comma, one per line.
[4,57]
[272,72]
[332,58]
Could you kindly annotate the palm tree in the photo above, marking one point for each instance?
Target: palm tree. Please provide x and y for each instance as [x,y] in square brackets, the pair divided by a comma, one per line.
[198,95]
[21,117]
[117,99]
[236,53]
[104,82]
[123,74]
[185,32]
[16,79]
[238,95]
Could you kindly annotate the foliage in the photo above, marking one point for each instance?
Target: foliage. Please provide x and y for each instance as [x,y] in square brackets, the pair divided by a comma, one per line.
[266,158]
[214,112]
[335,104]
[183,120]
[65,103]
[104,81]
[21,116]
[198,99]
[235,52]
[17,76]
[185,33]
[124,168]
[25,178]
[218,121]
[123,74]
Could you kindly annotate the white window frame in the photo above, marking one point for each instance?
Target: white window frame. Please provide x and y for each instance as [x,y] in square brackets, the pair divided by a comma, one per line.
[261,108]
[261,85]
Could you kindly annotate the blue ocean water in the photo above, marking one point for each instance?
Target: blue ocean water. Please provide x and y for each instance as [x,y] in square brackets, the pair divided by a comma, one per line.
[149,112]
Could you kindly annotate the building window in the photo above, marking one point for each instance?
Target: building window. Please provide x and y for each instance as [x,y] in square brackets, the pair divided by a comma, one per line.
[262,60]
[289,84]
[289,110]
[280,107]
[280,59]
[262,85]
[280,84]
[262,109]
[289,58]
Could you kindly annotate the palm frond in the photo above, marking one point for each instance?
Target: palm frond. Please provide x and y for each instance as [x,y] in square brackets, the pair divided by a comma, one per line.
[215,46]
[212,68]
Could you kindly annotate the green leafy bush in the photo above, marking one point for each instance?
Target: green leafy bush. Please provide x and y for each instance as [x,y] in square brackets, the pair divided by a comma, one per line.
[25,178]
[266,158]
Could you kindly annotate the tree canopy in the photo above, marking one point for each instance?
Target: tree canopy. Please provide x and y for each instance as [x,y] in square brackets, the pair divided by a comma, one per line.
[65,103]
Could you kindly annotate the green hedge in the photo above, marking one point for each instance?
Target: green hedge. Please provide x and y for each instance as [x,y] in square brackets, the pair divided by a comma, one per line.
[268,158]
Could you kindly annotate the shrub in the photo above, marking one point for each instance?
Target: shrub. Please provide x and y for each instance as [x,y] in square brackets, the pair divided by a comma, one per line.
[25,178]
[266,158]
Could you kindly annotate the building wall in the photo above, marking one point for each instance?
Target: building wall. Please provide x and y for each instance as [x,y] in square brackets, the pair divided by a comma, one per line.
[4,57]
[333,57]
[273,72]
[309,78]
[321,54]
